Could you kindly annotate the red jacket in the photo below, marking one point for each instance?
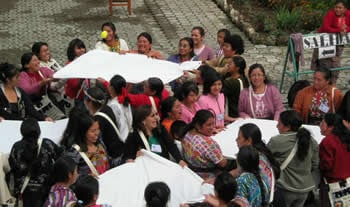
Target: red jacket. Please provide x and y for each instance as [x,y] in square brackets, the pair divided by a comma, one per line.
[334,159]
[330,23]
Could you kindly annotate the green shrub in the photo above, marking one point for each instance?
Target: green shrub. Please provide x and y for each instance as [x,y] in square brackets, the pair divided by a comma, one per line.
[288,20]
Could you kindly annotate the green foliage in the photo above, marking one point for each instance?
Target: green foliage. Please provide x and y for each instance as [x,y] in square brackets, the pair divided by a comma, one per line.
[288,20]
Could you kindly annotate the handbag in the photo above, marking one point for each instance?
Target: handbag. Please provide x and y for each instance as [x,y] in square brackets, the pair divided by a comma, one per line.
[339,193]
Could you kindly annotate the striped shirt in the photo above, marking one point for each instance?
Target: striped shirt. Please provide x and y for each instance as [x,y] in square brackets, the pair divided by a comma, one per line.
[59,196]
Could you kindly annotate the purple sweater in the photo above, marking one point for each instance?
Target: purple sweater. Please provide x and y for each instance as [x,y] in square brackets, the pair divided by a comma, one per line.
[272,101]
[32,86]
[206,54]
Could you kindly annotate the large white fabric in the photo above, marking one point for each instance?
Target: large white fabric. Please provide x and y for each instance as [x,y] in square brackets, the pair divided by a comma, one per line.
[227,138]
[125,185]
[10,132]
[134,68]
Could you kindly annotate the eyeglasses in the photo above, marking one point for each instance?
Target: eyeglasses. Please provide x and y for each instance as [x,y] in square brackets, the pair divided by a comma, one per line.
[257,75]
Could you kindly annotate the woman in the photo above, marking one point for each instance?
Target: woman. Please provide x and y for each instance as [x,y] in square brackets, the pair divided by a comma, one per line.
[76,48]
[262,100]
[111,42]
[32,158]
[120,104]
[157,194]
[65,173]
[250,134]
[234,84]
[144,46]
[314,101]
[337,20]
[41,50]
[200,151]
[334,152]
[200,49]
[171,111]
[185,53]
[233,46]
[187,94]
[250,183]
[150,135]
[81,140]
[14,102]
[296,180]
[213,99]
[220,36]
[95,103]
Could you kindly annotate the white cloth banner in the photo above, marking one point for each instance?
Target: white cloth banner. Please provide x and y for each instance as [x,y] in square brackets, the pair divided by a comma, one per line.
[11,133]
[227,138]
[125,185]
[134,68]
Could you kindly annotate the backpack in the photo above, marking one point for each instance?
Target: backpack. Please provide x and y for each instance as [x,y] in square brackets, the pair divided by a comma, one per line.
[294,89]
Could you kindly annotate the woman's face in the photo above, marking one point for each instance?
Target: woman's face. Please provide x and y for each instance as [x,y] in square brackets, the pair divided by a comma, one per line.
[73,176]
[232,68]
[143,45]
[176,111]
[151,121]
[92,133]
[197,37]
[339,9]
[34,64]
[325,129]
[79,51]
[227,50]
[110,33]
[319,81]
[207,128]
[147,90]
[13,81]
[215,88]
[184,48]
[44,54]
[257,77]
[281,127]
[191,98]
[220,38]
[241,141]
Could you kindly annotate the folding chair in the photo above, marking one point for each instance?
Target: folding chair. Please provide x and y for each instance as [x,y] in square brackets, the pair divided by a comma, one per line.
[113,3]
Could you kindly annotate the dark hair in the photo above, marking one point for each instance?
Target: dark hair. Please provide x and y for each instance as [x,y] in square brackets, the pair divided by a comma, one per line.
[62,167]
[37,47]
[252,131]
[344,109]
[25,59]
[79,123]
[327,74]
[96,96]
[190,43]
[294,89]
[157,194]
[118,83]
[206,71]
[341,2]
[145,35]
[167,105]
[241,64]
[155,84]
[199,119]
[248,160]
[292,119]
[7,71]
[110,25]
[75,43]
[226,31]
[339,129]
[236,42]
[185,89]
[255,66]
[139,115]
[225,186]
[200,29]
[177,129]
[208,82]
[85,189]
[30,131]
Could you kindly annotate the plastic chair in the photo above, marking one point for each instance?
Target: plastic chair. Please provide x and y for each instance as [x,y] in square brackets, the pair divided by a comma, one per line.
[113,3]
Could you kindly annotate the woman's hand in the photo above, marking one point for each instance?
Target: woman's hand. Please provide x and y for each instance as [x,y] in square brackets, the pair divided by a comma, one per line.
[46,81]
[212,200]
[182,163]
[139,153]
[235,173]
[1,118]
[129,160]
[49,119]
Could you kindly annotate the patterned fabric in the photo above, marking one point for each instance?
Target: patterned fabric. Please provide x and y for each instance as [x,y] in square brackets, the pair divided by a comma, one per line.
[320,97]
[99,159]
[248,187]
[266,174]
[260,109]
[60,196]
[40,169]
[201,152]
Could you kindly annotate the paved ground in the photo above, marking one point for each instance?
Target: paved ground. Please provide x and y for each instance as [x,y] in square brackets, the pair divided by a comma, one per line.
[23,22]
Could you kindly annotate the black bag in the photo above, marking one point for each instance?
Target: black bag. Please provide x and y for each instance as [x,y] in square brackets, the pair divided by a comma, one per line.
[294,89]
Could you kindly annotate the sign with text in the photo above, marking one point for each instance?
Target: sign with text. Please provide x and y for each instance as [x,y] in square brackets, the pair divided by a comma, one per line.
[325,40]
[326,52]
